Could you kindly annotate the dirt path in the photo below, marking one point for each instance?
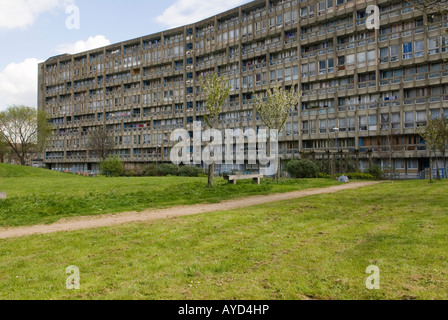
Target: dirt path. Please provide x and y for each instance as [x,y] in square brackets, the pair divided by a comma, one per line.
[155,214]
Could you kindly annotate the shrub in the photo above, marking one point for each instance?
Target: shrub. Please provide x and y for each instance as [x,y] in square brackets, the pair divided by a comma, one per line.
[375,171]
[150,170]
[302,169]
[112,167]
[189,171]
[323,175]
[129,173]
[360,176]
[167,169]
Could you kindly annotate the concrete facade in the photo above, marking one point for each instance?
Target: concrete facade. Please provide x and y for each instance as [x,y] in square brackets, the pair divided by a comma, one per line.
[376,86]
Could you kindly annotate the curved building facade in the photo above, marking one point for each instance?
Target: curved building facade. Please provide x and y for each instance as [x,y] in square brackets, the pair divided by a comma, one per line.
[365,90]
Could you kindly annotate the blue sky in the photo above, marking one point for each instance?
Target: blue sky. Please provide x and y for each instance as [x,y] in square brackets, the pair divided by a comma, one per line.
[35,30]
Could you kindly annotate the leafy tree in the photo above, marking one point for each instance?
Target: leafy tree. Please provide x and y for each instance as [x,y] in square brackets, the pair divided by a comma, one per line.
[25,130]
[112,167]
[435,136]
[441,125]
[217,89]
[274,111]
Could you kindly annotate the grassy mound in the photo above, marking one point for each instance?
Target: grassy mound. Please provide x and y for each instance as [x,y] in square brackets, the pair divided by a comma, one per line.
[16,171]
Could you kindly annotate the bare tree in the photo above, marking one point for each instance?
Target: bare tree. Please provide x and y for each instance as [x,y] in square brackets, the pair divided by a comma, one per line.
[100,143]
[274,112]
[24,129]
[217,89]
[391,136]
[429,6]
[4,150]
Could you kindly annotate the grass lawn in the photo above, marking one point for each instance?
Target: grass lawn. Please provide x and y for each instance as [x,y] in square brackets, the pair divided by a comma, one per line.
[316,247]
[41,196]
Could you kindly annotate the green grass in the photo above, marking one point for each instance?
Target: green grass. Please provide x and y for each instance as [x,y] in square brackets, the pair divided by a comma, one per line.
[40,196]
[316,247]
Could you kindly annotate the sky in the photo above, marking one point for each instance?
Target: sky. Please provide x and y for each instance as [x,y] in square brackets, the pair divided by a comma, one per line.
[31,31]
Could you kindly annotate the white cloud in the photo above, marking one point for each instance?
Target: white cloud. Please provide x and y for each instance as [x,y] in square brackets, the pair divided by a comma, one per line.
[184,12]
[18,84]
[22,13]
[80,46]
[18,81]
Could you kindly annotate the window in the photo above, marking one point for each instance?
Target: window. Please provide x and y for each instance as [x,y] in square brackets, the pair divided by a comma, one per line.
[433,45]
[342,124]
[312,69]
[419,47]
[396,120]
[413,164]
[321,8]
[361,57]
[384,121]
[435,113]
[304,12]
[399,164]
[409,119]
[350,59]
[323,126]
[444,43]
[407,50]
[311,10]
[330,65]
[393,53]
[322,67]
[362,123]
[287,18]
[304,70]
[421,118]
[384,55]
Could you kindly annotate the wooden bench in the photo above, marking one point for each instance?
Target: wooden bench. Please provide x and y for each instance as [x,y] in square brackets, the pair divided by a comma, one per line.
[233,178]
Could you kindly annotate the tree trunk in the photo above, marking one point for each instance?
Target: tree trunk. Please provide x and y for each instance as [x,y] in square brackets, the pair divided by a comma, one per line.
[444,162]
[211,174]
[430,169]
[22,159]
[437,168]
[278,168]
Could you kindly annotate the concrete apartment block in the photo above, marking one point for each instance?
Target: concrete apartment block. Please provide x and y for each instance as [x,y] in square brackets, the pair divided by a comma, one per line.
[376,86]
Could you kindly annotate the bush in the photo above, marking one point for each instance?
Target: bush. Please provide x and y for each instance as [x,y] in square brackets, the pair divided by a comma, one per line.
[129,173]
[323,175]
[112,167]
[189,171]
[360,176]
[150,170]
[375,171]
[167,169]
[302,169]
